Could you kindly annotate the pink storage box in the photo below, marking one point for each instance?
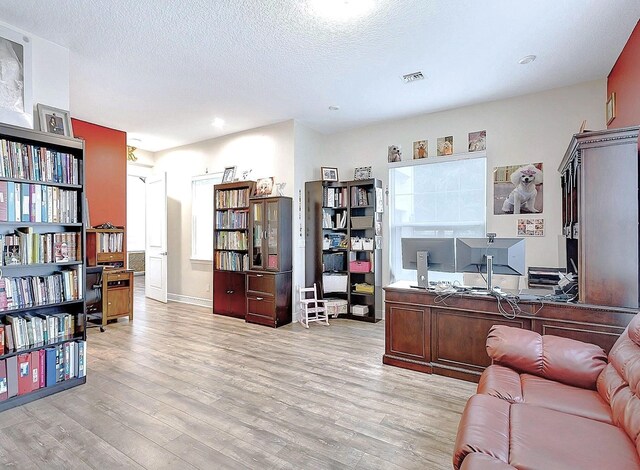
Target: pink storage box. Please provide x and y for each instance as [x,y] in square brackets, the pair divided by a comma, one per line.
[359,266]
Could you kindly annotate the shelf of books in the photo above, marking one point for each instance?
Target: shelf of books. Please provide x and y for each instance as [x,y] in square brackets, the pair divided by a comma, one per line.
[105,247]
[230,246]
[42,239]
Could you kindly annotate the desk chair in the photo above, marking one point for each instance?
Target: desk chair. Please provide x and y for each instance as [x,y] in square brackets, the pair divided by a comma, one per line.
[311,308]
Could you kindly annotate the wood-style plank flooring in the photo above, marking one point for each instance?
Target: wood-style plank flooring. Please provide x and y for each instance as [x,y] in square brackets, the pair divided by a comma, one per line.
[180,388]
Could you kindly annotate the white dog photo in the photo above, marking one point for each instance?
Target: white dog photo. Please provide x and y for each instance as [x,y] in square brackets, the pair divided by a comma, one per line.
[524,191]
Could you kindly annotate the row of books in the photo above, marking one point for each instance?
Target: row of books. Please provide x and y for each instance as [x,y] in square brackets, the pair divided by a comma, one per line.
[335,220]
[231,241]
[30,331]
[232,198]
[360,197]
[232,219]
[334,197]
[26,247]
[28,202]
[109,242]
[18,160]
[231,261]
[29,291]
[28,372]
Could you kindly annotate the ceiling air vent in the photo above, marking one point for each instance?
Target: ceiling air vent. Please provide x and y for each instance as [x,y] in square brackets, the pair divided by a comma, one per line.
[412,77]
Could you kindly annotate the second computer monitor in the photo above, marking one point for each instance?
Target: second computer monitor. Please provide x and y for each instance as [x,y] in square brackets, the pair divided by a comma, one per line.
[507,253]
[425,254]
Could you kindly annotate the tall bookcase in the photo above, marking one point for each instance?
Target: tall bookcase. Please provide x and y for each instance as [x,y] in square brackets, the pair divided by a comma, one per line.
[231,247]
[42,239]
[343,243]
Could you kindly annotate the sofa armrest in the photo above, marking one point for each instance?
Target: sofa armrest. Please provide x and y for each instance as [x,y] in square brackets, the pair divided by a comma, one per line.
[501,382]
[561,359]
[484,462]
[483,428]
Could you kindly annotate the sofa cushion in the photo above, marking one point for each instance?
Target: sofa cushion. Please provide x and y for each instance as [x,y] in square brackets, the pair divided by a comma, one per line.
[543,439]
[484,462]
[483,428]
[562,359]
[501,382]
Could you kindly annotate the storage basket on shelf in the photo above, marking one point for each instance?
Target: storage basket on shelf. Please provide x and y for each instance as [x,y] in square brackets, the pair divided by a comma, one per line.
[360,266]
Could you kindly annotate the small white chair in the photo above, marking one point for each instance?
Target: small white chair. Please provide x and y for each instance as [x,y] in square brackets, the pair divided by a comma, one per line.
[311,308]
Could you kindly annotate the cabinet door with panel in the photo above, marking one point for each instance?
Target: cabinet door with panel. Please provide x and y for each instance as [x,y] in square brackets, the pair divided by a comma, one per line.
[229,293]
[270,228]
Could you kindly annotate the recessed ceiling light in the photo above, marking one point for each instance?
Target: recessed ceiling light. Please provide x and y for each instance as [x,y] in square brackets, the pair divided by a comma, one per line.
[341,10]
[527,59]
[334,107]
[218,122]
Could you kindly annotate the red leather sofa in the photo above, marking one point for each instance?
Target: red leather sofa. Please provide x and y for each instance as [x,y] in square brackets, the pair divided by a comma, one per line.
[553,403]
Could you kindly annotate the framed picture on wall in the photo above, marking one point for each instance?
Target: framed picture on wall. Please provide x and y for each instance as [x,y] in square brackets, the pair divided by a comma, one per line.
[54,120]
[16,105]
[611,108]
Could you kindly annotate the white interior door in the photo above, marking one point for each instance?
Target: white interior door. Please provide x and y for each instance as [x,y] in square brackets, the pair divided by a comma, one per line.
[155,283]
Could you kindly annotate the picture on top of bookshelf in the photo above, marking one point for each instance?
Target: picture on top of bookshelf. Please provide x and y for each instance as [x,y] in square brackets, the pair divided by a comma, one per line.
[232,219]
[334,196]
[38,163]
[29,202]
[232,198]
[362,196]
[334,219]
[26,247]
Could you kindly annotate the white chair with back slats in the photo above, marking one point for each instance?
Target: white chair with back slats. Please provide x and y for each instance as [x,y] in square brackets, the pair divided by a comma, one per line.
[311,308]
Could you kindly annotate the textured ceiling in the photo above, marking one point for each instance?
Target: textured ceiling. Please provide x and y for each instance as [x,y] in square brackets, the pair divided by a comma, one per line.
[162,70]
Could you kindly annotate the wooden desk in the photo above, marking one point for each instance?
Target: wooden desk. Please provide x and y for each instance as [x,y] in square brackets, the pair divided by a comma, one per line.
[425,333]
[117,294]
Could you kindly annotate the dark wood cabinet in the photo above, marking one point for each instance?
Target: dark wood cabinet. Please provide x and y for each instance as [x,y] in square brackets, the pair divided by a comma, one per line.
[424,334]
[599,175]
[343,243]
[229,293]
[268,295]
[269,298]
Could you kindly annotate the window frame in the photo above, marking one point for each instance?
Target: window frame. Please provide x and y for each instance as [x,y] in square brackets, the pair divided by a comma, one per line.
[208,218]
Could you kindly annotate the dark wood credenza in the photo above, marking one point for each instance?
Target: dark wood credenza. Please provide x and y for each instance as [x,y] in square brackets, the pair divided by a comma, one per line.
[427,333]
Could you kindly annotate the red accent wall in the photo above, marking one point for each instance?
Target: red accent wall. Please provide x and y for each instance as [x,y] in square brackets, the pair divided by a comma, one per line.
[624,80]
[105,172]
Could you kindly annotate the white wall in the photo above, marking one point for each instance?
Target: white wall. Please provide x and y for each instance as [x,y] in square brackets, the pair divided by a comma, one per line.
[267,151]
[308,147]
[50,72]
[529,128]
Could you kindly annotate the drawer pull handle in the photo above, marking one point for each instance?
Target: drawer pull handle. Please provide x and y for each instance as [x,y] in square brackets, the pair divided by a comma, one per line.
[259,275]
[229,292]
[259,298]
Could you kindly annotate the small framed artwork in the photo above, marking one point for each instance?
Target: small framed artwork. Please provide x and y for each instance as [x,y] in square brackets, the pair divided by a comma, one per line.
[611,108]
[394,153]
[329,174]
[54,120]
[362,173]
[420,149]
[445,145]
[264,187]
[229,174]
[477,141]
[531,227]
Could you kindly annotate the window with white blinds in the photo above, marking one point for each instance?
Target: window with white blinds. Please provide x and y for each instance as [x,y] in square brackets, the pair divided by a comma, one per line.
[435,198]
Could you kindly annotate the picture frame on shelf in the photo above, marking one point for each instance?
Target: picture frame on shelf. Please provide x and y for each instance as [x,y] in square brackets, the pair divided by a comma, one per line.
[362,173]
[229,174]
[611,108]
[264,187]
[54,120]
[329,173]
[16,55]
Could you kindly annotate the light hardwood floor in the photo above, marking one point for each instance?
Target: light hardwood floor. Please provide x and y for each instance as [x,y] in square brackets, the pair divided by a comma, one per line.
[181,388]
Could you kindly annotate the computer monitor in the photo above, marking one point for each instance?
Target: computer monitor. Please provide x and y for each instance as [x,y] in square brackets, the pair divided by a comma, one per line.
[424,254]
[500,256]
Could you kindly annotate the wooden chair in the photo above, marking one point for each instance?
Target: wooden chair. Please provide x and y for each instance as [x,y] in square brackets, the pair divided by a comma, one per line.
[311,308]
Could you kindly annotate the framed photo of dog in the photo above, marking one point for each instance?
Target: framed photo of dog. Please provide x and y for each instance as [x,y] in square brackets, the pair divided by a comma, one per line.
[518,189]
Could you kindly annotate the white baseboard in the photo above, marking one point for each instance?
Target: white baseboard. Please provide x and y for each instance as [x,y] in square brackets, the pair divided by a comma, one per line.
[185,299]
